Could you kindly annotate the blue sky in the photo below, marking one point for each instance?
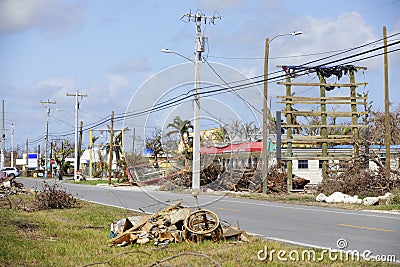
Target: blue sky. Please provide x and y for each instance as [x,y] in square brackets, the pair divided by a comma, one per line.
[109,49]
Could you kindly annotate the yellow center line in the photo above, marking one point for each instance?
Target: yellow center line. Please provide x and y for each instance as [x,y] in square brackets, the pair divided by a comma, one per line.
[366,228]
[217,208]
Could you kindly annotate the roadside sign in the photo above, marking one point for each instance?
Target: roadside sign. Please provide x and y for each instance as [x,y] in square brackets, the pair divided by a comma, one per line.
[32,160]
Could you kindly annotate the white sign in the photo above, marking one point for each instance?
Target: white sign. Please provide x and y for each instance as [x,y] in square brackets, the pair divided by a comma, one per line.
[32,160]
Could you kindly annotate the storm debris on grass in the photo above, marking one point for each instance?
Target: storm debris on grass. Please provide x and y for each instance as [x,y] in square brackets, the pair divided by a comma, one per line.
[52,197]
[174,224]
[10,186]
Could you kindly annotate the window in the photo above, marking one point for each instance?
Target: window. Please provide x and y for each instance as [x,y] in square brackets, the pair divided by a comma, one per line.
[320,164]
[302,164]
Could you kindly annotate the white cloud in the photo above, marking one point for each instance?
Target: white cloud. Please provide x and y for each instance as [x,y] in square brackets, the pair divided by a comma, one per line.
[132,65]
[219,5]
[117,85]
[52,17]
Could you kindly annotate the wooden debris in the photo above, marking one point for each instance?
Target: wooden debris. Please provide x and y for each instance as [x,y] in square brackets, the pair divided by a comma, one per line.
[173,224]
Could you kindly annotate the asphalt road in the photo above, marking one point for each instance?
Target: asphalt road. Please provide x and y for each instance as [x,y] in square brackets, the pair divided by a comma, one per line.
[376,232]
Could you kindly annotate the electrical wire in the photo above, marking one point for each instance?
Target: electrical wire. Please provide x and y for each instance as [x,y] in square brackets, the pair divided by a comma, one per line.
[185,97]
[234,91]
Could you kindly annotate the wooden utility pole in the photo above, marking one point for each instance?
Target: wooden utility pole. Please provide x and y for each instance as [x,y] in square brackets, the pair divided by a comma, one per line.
[91,153]
[111,148]
[324,130]
[26,160]
[387,117]
[265,159]
[80,143]
[354,115]
[289,121]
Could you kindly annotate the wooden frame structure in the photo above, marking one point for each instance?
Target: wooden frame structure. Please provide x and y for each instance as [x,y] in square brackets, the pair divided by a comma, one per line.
[322,101]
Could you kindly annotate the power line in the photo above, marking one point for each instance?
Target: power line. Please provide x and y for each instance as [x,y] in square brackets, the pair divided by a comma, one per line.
[236,93]
[186,96]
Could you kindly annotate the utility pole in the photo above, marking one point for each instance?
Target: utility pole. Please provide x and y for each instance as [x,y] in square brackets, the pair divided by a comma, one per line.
[3,137]
[26,160]
[110,158]
[197,18]
[76,95]
[12,144]
[80,143]
[47,105]
[267,112]
[90,153]
[265,154]
[387,117]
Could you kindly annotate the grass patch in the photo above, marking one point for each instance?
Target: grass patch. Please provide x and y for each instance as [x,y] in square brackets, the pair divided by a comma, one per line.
[91,182]
[78,237]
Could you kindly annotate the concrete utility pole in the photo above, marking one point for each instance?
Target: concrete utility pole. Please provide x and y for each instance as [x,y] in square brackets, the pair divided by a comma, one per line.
[387,117]
[47,105]
[3,141]
[76,95]
[197,18]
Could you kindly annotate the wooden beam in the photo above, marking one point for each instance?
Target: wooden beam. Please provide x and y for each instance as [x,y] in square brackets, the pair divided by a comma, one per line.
[319,102]
[320,126]
[324,84]
[328,113]
[322,98]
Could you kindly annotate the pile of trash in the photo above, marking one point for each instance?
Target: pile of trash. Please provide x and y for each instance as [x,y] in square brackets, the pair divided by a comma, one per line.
[339,197]
[10,186]
[173,224]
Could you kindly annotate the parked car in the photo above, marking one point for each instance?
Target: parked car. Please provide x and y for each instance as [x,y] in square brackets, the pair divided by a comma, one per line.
[11,171]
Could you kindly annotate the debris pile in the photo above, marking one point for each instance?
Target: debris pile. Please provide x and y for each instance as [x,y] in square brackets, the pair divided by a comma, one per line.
[10,186]
[173,224]
[339,197]
[216,177]
[277,180]
[53,198]
[235,180]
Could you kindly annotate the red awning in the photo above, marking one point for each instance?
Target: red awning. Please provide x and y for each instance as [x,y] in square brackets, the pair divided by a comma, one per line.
[233,148]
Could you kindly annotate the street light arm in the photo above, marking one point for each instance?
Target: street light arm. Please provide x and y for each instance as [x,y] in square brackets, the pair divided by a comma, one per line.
[167,51]
[285,34]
